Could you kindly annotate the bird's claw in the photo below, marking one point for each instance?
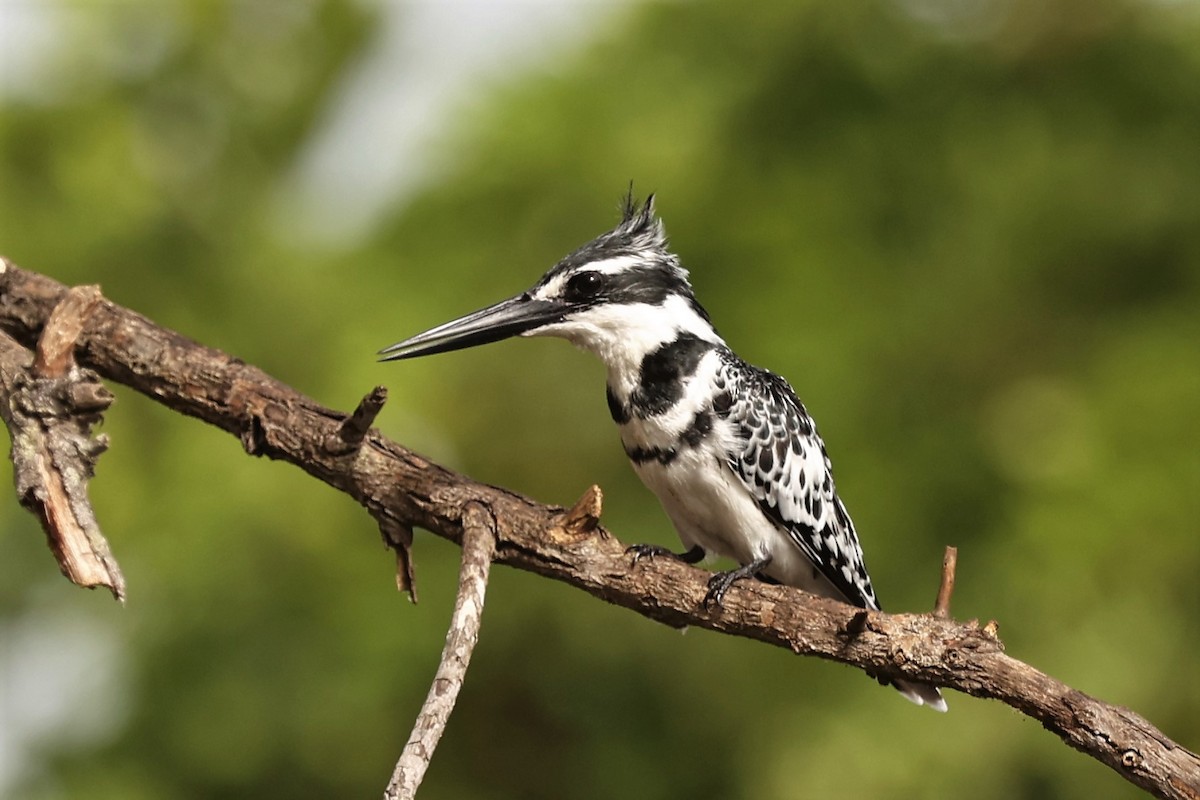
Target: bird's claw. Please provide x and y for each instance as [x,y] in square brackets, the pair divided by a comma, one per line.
[718,585]
[640,551]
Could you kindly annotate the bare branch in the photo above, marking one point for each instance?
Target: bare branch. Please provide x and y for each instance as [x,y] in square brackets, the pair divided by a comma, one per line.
[479,546]
[941,607]
[353,430]
[50,406]
[400,486]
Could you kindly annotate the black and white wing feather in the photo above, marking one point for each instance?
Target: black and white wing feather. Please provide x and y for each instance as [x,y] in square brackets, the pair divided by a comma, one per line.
[782,462]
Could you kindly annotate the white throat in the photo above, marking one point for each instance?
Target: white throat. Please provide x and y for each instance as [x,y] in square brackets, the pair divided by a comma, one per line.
[622,335]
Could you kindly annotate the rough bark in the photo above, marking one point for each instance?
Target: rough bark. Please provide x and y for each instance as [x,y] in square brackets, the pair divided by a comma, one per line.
[479,546]
[402,490]
[50,406]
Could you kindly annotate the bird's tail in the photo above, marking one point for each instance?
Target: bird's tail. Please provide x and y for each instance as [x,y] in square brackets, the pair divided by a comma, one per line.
[922,694]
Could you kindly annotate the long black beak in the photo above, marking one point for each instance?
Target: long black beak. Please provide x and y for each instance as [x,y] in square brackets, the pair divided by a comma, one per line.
[507,318]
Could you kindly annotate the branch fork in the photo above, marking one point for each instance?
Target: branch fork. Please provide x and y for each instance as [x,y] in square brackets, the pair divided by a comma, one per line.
[478,549]
[50,405]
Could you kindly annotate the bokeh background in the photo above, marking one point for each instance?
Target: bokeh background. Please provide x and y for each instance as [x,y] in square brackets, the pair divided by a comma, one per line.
[967,232]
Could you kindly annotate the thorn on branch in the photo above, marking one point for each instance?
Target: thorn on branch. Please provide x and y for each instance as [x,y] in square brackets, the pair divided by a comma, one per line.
[353,430]
[89,398]
[253,436]
[56,346]
[582,519]
[941,607]
[399,537]
[478,549]
[857,623]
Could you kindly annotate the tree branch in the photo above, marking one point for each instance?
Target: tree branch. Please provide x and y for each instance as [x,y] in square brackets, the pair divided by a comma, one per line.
[941,606]
[404,490]
[478,545]
[50,406]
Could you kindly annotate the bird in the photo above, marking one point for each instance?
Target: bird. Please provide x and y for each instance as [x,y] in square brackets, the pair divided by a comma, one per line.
[730,451]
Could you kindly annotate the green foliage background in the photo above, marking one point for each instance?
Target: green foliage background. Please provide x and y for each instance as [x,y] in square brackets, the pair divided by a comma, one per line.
[972,243]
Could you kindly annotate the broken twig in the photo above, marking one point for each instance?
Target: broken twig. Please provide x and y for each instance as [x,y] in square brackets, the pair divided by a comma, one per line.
[941,607]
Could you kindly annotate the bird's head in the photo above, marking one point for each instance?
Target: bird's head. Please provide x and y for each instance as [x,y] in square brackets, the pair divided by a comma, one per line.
[619,296]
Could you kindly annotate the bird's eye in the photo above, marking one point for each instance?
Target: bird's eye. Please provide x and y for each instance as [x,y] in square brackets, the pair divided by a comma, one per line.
[584,285]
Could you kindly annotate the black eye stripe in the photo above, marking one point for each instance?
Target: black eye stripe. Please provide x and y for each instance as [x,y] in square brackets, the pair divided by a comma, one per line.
[645,285]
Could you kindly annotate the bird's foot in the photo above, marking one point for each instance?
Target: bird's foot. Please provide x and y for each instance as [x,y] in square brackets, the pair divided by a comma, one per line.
[640,551]
[719,583]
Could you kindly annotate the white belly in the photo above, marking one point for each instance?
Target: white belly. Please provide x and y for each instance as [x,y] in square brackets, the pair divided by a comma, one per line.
[710,507]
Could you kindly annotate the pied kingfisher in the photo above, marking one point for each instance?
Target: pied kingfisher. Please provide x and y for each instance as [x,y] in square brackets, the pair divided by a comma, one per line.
[729,450]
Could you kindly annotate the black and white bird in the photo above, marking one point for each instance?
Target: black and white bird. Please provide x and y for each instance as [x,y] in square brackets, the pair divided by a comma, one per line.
[729,450]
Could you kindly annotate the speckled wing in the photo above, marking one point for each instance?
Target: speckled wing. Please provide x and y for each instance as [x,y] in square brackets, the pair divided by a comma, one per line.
[783,464]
